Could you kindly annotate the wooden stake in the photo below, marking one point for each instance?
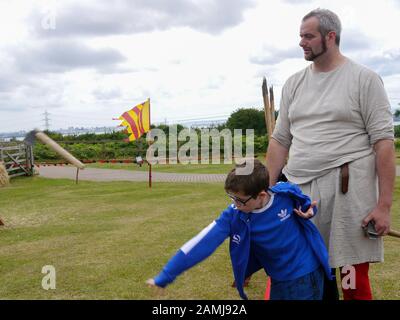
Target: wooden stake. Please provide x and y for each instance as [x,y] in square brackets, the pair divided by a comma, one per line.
[58,149]
[272,108]
[149,175]
[77,175]
[267,108]
[394,233]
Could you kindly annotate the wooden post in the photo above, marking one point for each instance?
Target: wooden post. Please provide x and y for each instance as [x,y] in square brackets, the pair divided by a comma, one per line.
[60,150]
[29,159]
[267,109]
[149,175]
[272,106]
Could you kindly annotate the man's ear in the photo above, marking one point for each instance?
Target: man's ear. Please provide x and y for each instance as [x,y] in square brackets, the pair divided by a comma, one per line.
[331,36]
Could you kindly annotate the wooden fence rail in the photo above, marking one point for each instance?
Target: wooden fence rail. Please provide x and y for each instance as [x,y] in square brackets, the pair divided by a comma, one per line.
[18,159]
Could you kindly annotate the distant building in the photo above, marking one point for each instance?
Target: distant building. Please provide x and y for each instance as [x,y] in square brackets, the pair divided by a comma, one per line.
[20,135]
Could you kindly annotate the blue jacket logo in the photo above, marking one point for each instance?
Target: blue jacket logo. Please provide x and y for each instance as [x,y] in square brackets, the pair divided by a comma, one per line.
[236,238]
[283,215]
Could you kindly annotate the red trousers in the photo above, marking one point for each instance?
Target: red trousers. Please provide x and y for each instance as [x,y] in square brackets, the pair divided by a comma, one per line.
[362,290]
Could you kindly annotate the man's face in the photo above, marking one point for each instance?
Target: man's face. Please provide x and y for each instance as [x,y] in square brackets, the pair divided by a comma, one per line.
[312,42]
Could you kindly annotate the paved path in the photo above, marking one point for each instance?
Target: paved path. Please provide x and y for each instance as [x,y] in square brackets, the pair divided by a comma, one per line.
[94,174]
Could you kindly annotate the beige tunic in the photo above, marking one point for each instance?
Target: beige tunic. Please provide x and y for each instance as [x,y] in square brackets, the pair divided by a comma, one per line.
[328,119]
[340,215]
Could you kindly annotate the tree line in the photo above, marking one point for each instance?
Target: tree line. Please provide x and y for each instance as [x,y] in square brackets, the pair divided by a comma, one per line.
[109,146]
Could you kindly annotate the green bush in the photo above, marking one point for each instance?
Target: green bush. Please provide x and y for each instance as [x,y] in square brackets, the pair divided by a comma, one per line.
[397,131]
[260,144]
[397,144]
[43,153]
[112,146]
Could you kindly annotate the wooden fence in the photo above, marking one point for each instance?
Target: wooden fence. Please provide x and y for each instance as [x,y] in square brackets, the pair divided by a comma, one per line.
[18,159]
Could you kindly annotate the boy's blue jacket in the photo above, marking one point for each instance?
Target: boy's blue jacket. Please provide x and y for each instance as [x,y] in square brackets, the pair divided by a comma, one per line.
[284,244]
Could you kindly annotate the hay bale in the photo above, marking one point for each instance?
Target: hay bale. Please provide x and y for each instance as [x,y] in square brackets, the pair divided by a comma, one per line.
[36,171]
[4,178]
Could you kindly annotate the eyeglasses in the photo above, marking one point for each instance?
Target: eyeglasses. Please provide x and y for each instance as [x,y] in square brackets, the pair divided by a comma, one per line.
[237,200]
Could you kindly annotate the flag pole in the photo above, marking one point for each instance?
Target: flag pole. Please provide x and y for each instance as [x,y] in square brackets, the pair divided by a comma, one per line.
[150,143]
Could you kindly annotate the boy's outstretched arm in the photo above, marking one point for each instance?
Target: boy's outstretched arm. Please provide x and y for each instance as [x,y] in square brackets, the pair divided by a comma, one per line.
[192,252]
[309,213]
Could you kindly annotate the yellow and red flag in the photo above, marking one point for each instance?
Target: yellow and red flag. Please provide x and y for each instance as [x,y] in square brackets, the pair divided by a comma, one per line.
[137,120]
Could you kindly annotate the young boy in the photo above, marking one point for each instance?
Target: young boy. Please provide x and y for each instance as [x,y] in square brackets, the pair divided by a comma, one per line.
[268,228]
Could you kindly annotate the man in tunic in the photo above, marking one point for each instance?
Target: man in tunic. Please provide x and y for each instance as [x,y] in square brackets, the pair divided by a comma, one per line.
[335,126]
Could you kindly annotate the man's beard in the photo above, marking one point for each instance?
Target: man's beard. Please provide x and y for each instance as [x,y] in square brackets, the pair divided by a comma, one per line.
[313,55]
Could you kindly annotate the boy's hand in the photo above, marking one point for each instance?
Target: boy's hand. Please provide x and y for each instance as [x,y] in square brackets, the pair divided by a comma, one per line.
[158,290]
[151,283]
[306,215]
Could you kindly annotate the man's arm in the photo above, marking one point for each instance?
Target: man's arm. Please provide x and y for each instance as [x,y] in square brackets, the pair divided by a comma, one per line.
[276,159]
[386,171]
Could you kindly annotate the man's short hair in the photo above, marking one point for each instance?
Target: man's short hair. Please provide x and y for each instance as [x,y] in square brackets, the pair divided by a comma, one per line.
[249,185]
[328,21]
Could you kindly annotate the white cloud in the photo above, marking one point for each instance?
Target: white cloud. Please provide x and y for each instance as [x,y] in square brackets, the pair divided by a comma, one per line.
[59,56]
[192,58]
[113,17]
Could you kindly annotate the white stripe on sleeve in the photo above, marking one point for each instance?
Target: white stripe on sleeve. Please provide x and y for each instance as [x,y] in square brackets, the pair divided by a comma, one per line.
[191,243]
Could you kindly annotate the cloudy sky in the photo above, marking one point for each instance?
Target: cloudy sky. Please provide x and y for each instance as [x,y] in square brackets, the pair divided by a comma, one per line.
[86,62]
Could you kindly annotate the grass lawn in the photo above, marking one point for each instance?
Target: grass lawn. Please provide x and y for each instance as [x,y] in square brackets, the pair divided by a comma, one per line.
[105,239]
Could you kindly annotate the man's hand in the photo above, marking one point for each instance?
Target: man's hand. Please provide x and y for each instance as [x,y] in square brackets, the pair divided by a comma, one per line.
[309,213]
[381,218]
[386,171]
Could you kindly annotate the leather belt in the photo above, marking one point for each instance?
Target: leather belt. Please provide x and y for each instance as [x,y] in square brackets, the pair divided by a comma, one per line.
[344,171]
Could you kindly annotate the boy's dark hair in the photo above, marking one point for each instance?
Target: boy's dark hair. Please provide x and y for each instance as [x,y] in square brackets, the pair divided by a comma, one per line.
[249,185]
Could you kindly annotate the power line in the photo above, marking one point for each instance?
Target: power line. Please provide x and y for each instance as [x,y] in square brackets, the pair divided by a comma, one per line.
[200,118]
[46,120]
